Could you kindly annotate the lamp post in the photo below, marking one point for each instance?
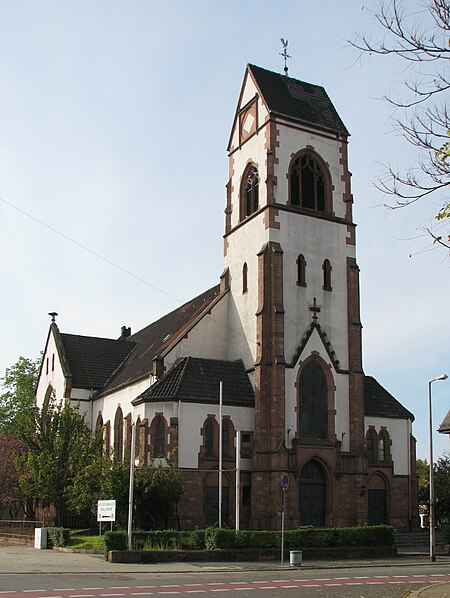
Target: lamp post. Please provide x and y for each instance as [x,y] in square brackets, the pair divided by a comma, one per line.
[432,513]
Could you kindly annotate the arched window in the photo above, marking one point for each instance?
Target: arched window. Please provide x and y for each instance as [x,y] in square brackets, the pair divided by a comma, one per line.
[307,183]
[225,439]
[99,422]
[383,446]
[301,271]
[313,402]
[158,435]
[250,192]
[118,434]
[371,445]
[244,278]
[208,438]
[327,276]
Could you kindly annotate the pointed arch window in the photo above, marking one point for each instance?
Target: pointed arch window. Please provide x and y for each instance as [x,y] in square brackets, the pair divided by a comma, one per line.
[371,445]
[244,278]
[118,434]
[307,183]
[383,446]
[313,402]
[250,192]
[327,276]
[301,271]
[158,434]
[225,439]
[209,439]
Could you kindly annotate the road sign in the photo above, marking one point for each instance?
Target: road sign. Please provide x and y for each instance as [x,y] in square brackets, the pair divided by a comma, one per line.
[285,481]
[106,510]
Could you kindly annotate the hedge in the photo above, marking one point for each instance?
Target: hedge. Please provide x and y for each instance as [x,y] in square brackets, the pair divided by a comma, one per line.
[214,538]
[225,539]
[57,536]
[117,540]
[169,540]
[446,533]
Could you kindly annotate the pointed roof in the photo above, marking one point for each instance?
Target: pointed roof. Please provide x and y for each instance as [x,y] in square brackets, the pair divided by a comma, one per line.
[297,99]
[157,338]
[92,360]
[444,428]
[378,402]
[196,380]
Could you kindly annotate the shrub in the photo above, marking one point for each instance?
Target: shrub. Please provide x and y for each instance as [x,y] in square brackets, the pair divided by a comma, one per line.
[446,533]
[117,540]
[57,536]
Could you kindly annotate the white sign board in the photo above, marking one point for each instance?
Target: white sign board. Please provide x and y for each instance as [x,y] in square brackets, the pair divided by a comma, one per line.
[106,510]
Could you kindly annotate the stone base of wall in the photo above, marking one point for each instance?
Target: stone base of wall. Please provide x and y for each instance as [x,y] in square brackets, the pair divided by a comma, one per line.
[171,556]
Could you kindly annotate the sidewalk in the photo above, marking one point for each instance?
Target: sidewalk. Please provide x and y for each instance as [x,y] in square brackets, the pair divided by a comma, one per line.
[28,560]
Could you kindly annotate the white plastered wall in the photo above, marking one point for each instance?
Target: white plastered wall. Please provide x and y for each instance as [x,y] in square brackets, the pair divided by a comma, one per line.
[107,405]
[54,376]
[208,338]
[191,417]
[398,430]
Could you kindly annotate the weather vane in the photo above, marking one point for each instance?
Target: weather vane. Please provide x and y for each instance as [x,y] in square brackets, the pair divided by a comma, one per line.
[285,55]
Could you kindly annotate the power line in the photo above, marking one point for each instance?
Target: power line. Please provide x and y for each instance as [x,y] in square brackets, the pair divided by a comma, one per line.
[99,255]
[111,263]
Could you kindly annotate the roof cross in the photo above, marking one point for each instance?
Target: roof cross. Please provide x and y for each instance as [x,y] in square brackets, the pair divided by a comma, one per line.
[53,315]
[285,55]
[315,309]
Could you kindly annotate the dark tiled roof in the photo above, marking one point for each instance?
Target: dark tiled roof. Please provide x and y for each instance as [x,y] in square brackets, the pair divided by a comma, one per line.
[444,428]
[298,100]
[155,338]
[196,380]
[92,360]
[378,402]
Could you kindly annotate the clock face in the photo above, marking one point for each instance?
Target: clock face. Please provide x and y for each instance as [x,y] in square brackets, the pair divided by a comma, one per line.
[247,120]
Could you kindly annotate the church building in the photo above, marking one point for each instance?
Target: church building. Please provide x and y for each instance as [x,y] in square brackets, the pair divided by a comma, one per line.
[280,334]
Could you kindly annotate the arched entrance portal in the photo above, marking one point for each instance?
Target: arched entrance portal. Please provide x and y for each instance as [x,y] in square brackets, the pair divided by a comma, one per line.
[377,501]
[312,487]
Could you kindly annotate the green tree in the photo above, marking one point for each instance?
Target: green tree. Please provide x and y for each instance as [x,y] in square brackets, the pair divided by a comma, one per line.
[17,402]
[423,473]
[420,39]
[60,445]
[157,487]
[10,495]
[442,489]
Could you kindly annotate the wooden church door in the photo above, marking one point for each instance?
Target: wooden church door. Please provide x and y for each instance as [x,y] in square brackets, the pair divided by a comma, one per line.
[377,501]
[312,495]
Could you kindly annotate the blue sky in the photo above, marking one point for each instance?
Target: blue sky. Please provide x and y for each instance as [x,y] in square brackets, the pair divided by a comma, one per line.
[114,122]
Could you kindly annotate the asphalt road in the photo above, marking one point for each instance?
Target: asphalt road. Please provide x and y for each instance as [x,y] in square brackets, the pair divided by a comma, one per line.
[362,582]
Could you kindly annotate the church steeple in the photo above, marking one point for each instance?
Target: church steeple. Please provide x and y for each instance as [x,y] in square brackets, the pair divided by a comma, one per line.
[289,221]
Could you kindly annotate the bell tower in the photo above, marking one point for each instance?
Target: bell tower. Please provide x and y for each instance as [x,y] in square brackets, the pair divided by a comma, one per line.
[289,251]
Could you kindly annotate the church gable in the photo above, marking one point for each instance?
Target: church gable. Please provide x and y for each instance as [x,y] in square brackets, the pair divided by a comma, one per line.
[155,340]
[315,327]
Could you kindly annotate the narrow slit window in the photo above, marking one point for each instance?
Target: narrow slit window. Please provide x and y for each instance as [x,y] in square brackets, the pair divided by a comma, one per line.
[327,276]
[301,271]
[244,278]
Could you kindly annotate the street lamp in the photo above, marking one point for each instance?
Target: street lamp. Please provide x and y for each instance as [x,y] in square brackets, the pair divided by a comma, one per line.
[432,516]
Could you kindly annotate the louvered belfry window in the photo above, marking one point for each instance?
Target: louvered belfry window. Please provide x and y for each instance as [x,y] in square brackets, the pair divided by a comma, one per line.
[251,191]
[307,184]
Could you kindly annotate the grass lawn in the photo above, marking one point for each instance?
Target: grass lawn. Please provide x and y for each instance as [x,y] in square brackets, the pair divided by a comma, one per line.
[85,540]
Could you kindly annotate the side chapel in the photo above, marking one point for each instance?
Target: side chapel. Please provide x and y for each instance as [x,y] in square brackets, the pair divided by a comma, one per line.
[281,331]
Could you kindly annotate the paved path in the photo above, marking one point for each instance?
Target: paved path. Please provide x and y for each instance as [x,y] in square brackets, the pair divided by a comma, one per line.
[28,560]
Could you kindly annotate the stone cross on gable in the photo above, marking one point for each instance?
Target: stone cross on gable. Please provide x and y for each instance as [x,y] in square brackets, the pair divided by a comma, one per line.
[315,309]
